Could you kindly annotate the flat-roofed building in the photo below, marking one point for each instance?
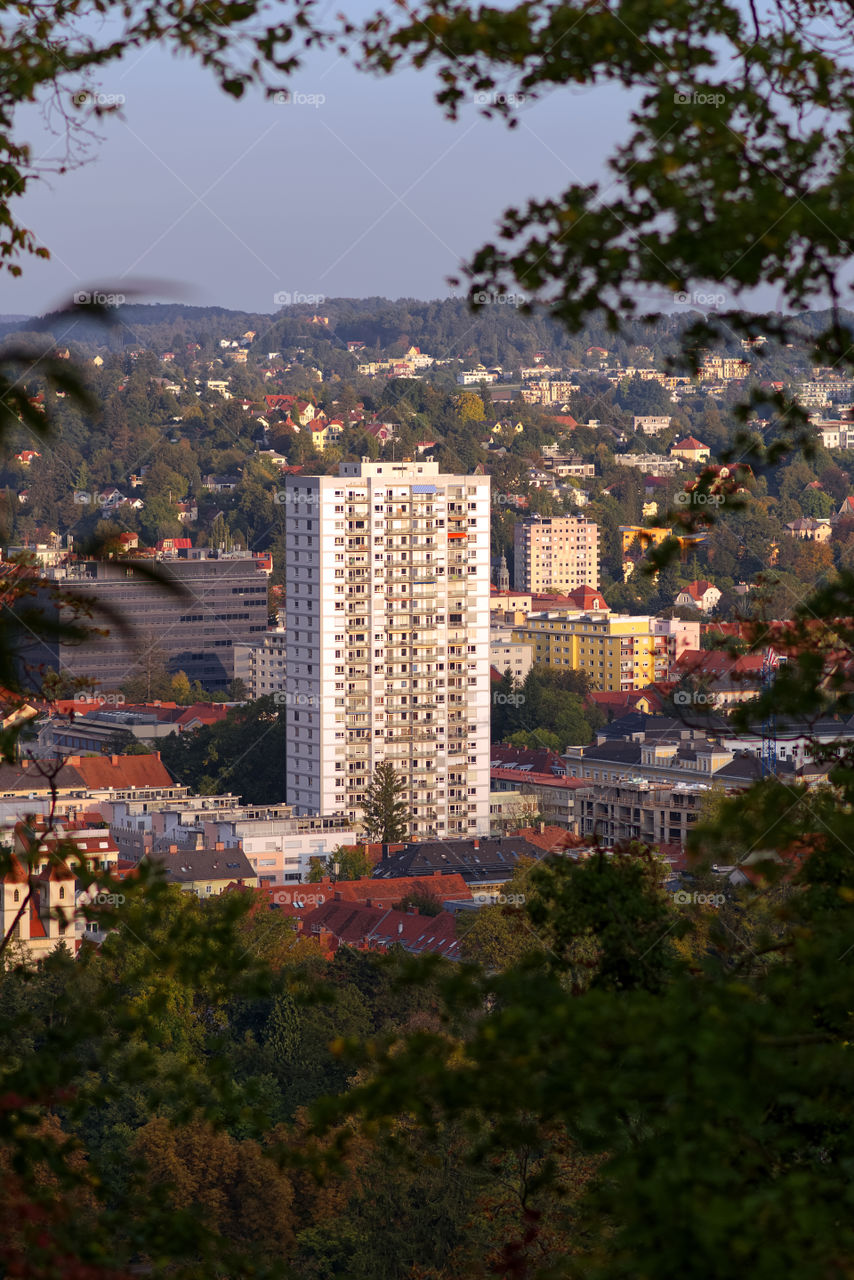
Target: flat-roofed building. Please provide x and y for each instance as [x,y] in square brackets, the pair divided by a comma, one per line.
[615,651]
[557,554]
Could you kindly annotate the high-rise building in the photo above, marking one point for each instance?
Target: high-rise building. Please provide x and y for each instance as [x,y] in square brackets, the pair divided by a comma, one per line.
[387,624]
[556,554]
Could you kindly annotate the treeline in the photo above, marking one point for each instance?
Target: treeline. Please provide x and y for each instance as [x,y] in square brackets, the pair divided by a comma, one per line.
[549,708]
[499,332]
[210,1094]
[244,754]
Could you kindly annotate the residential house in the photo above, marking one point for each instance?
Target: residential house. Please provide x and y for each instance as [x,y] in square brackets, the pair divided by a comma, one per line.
[699,594]
[365,928]
[808,530]
[483,863]
[205,872]
[690,450]
[651,424]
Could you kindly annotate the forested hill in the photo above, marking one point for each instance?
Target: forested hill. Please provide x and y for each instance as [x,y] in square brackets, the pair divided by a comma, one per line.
[498,333]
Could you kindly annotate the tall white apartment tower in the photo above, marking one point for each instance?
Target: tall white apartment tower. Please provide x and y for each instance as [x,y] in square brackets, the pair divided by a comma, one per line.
[387,625]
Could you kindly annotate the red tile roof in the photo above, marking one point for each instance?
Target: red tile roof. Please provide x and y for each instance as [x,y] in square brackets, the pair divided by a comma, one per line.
[587,598]
[697,589]
[365,891]
[539,760]
[174,544]
[374,928]
[202,713]
[101,772]
[98,773]
[37,929]
[551,839]
[499,774]
[717,663]
[615,701]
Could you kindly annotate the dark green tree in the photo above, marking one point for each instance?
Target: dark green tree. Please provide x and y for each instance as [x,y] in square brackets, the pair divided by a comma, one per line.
[385,815]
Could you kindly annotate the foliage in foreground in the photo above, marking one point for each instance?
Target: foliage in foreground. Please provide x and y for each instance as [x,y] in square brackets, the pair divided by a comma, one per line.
[619,1087]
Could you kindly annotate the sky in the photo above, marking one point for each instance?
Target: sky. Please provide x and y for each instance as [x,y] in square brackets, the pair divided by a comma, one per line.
[356,187]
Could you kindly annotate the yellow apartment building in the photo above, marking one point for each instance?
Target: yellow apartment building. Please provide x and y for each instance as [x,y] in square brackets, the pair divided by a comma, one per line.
[616,651]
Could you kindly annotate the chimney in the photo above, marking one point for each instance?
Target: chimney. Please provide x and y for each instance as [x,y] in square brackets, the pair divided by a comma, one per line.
[25,764]
[173,848]
[385,849]
[476,844]
[114,760]
[338,897]
[400,927]
[219,846]
[541,826]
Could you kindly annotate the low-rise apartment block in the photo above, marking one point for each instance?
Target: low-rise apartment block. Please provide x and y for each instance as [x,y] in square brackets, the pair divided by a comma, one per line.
[651,424]
[507,654]
[654,813]
[279,845]
[261,664]
[617,652]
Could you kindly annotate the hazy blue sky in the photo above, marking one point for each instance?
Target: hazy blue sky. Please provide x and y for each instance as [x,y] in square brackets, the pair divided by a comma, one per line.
[370,192]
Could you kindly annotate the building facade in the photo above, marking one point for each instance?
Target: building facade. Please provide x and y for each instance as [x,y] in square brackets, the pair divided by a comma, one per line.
[557,554]
[655,813]
[507,654]
[206,602]
[387,654]
[260,664]
[615,651]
